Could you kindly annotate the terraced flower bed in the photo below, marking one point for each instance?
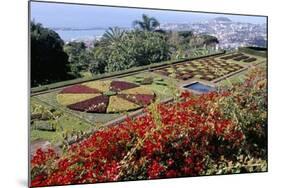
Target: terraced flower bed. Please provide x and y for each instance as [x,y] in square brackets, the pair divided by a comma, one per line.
[239,57]
[231,56]
[105,96]
[242,57]
[206,69]
[249,60]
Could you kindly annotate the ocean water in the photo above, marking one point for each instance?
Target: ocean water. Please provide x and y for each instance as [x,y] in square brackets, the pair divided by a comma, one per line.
[69,35]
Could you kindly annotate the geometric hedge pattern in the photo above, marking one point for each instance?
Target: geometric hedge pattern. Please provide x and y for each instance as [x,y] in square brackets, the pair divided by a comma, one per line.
[105,97]
[205,69]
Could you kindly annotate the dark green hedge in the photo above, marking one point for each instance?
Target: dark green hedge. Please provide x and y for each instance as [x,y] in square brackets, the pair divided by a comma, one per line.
[262,52]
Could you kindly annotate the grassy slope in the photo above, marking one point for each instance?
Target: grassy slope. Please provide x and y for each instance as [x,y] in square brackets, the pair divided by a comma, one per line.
[162,92]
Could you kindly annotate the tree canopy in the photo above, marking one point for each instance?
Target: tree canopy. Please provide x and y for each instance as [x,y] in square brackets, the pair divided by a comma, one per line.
[113,34]
[53,61]
[49,63]
[79,57]
[136,48]
[147,23]
[202,40]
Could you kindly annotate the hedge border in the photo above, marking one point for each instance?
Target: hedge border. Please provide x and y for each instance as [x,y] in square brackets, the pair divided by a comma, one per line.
[250,51]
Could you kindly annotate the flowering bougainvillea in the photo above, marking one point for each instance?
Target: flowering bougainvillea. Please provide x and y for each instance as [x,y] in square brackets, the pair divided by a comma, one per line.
[193,136]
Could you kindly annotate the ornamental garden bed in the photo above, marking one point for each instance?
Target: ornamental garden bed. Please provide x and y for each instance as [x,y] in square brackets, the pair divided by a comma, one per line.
[101,102]
[105,97]
[239,57]
[206,69]
[127,95]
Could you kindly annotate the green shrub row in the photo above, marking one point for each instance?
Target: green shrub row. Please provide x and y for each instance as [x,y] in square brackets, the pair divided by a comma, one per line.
[252,51]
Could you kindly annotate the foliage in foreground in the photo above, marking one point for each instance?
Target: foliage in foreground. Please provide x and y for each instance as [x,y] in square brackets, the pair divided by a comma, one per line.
[197,135]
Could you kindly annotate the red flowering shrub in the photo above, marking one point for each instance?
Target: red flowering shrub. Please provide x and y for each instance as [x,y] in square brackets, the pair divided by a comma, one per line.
[194,136]
[177,147]
[249,110]
[40,160]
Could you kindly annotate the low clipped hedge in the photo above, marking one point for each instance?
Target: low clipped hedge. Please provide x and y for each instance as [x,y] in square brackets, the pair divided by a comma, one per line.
[262,52]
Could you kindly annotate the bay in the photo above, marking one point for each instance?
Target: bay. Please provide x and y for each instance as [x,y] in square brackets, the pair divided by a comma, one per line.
[70,35]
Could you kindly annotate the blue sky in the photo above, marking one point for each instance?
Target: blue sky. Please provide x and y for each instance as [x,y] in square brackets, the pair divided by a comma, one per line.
[84,16]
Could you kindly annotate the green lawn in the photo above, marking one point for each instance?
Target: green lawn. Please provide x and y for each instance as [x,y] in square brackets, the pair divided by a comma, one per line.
[162,91]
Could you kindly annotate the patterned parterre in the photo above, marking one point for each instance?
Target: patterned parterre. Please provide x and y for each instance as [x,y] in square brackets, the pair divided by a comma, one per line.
[206,69]
[105,96]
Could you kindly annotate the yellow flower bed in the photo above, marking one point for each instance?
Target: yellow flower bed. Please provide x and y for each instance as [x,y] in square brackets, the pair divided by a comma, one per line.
[117,104]
[102,86]
[69,98]
[138,90]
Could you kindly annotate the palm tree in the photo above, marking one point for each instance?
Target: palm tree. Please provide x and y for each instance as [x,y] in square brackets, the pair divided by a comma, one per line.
[113,34]
[147,23]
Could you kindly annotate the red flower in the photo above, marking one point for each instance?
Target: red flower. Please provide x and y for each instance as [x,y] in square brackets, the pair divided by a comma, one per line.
[155,169]
[189,131]
[171,174]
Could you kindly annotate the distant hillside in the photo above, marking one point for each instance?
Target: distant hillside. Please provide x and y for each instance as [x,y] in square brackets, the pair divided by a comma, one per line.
[222,19]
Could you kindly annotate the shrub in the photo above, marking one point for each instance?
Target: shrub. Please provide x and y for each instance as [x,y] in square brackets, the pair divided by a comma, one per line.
[135,48]
[195,135]
[249,109]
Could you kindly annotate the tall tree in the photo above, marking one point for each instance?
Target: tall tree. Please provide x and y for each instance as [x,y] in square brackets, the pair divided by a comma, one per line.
[210,40]
[79,57]
[49,63]
[147,23]
[113,34]
[137,48]
[202,40]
